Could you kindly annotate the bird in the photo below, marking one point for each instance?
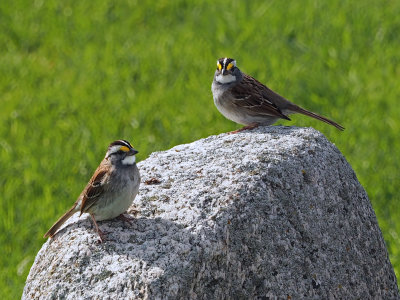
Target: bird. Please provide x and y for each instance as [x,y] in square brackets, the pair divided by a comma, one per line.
[244,100]
[110,191]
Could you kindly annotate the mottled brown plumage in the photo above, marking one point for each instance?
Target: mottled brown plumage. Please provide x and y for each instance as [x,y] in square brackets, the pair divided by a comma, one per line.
[110,191]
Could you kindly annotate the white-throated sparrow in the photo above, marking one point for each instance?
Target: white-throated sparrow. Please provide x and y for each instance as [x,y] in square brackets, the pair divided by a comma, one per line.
[111,189]
[244,100]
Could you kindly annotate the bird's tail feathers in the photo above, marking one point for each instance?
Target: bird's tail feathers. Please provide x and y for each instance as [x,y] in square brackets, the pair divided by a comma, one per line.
[52,231]
[303,111]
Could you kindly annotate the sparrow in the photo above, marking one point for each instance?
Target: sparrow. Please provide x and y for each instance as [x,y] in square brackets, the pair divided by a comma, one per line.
[110,191]
[244,100]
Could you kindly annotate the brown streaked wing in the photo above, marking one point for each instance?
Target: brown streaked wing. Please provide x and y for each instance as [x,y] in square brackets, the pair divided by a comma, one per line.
[255,102]
[93,190]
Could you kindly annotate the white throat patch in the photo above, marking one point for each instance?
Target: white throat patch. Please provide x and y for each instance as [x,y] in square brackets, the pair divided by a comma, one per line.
[225,78]
[129,160]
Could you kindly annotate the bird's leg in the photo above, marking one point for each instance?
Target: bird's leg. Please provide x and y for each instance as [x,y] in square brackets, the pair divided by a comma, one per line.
[126,219]
[248,127]
[99,232]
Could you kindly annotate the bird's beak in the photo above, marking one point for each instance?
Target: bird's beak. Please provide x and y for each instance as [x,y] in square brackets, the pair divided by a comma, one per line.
[133,152]
[224,72]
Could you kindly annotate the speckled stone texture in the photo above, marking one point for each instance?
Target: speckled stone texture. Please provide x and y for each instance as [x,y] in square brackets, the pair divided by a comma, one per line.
[276,212]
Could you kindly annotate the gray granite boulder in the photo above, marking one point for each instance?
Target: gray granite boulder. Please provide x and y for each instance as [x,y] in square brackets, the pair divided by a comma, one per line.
[276,212]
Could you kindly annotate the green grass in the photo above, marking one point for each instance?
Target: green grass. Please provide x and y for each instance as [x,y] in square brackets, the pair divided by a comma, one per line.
[76,75]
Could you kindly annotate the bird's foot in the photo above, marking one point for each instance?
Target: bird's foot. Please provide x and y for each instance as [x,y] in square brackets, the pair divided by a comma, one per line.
[126,219]
[248,127]
[102,236]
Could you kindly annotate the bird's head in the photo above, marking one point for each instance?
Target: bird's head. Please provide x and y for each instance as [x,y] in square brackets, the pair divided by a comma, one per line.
[121,151]
[226,72]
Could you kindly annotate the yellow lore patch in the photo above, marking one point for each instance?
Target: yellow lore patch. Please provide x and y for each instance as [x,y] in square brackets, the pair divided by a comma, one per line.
[124,148]
[219,66]
[230,66]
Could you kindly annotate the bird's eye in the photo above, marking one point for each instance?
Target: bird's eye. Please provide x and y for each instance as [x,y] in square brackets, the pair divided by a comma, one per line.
[230,66]
[219,67]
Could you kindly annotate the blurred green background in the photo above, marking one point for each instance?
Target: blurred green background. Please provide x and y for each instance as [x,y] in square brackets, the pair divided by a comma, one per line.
[76,75]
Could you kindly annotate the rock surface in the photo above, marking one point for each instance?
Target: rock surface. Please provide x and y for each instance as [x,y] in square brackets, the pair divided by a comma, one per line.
[276,212]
